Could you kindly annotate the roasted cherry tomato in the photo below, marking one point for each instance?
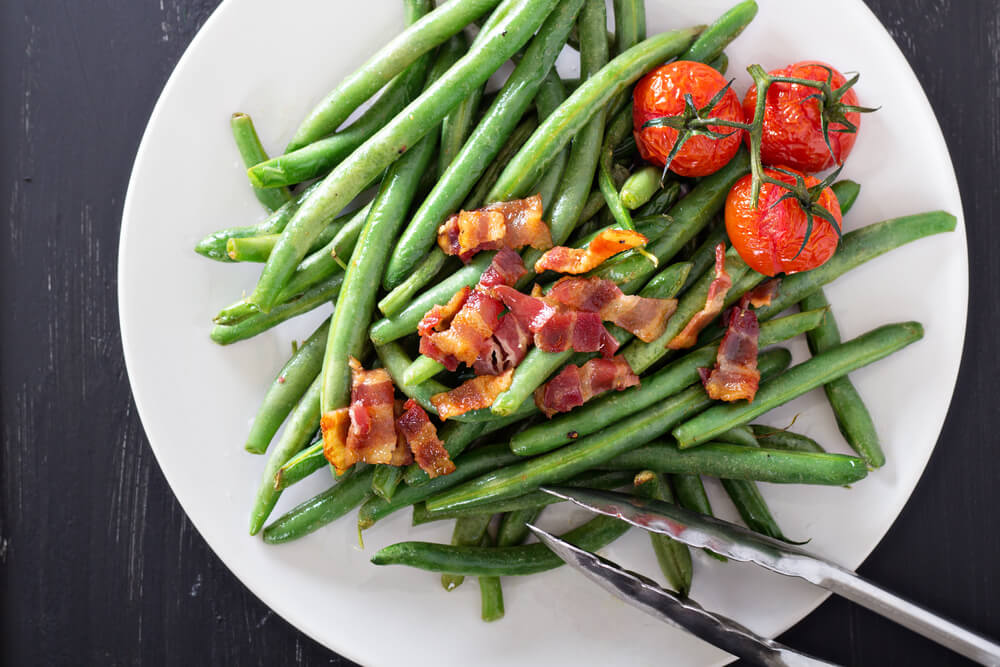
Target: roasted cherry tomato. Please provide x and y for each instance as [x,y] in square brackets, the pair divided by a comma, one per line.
[769,237]
[793,130]
[661,93]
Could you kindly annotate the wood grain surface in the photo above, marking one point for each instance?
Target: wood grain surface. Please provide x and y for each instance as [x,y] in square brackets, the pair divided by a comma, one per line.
[98,563]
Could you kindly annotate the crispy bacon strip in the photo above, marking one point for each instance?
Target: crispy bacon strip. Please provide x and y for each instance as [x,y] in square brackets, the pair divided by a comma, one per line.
[462,330]
[334,426]
[416,429]
[506,349]
[713,304]
[735,375]
[509,224]
[575,385]
[557,328]
[643,317]
[763,294]
[479,392]
[608,243]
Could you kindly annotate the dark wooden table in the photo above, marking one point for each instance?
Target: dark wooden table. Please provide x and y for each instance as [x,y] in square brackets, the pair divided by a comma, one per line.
[99,565]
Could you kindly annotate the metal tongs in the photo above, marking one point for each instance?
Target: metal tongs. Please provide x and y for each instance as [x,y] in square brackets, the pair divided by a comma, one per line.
[738,543]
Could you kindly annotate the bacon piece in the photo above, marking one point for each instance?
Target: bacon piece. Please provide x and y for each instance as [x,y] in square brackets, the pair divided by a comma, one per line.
[509,224]
[735,375]
[763,294]
[416,429]
[506,349]
[373,424]
[575,385]
[608,243]
[713,304]
[557,328]
[334,426]
[643,317]
[462,330]
[479,392]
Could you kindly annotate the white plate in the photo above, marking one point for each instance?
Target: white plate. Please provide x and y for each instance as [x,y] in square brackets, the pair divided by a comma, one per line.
[196,399]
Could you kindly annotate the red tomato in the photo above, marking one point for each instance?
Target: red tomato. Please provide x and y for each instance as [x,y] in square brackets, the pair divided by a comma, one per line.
[768,238]
[661,93]
[793,133]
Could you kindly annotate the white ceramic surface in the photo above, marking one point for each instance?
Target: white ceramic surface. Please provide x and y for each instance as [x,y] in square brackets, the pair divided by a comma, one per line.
[196,399]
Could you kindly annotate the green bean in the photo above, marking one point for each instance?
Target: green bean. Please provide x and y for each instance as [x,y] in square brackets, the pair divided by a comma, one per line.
[514,142]
[456,436]
[627,150]
[484,144]
[819,370]
[385,480]
[513,527]
[641,355]
[668,282]
[661,201]
[778,438]
[499,561]
[726,461]
[320,156]
[752,507]
[690,216]
[476,462]
[587,452]
[592,479]
[356,300]
[258,248]
[252,152]
[419,38]
[674,558]
[595,202]
[738,435]
[691,495]
[704,255]
[717,36]
[349,492]
[847,193]
[300,466]
[853,418]
[720,63]
[387,330]
[315,268]
[589,99]
[396,300]
[469,531]
[422,369]
[618,129]
[288,387]
[302,423]
[856,248]
[457,125]
[490,594]
[213,246]
[640,187]
[322,293]
[386,146]
[630,24]
[573,42]
[606,410]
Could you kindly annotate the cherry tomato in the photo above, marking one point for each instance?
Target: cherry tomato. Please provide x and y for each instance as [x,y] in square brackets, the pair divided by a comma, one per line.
[769,237]
[793,132]
[661,93]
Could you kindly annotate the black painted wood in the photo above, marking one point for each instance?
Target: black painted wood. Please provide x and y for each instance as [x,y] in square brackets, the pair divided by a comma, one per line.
[98,564]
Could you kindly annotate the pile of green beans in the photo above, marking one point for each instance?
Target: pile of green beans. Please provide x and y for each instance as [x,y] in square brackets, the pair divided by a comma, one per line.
[434,141]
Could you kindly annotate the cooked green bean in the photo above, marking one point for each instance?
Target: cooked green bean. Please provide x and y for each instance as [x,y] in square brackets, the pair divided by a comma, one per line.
[386,146]
[717,36]
[589,99]
[258,248]
[252,152]
[606,410]
[395,301]
[419,38]
[490,594]
[385,480]
[661,201]
[819,370]
[248,327]
[640,187]
[469,532]
[691,495]
[287,389]
[752,507]
[720,63]
[484,144]
[349,492]
[499,561]
[300,466]
[356,301]
[587,452]
[619,128]
[476,462]
[770,437]
[704,255]
[517,137]
[722,460]
[457,125]
[853,418]
[674,558]
[847,193]
[302,423]
[738,435]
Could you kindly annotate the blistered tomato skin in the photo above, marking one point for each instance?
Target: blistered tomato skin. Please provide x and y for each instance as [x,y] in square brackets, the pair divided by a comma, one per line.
[793,130]
[661,93]
[769,236]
